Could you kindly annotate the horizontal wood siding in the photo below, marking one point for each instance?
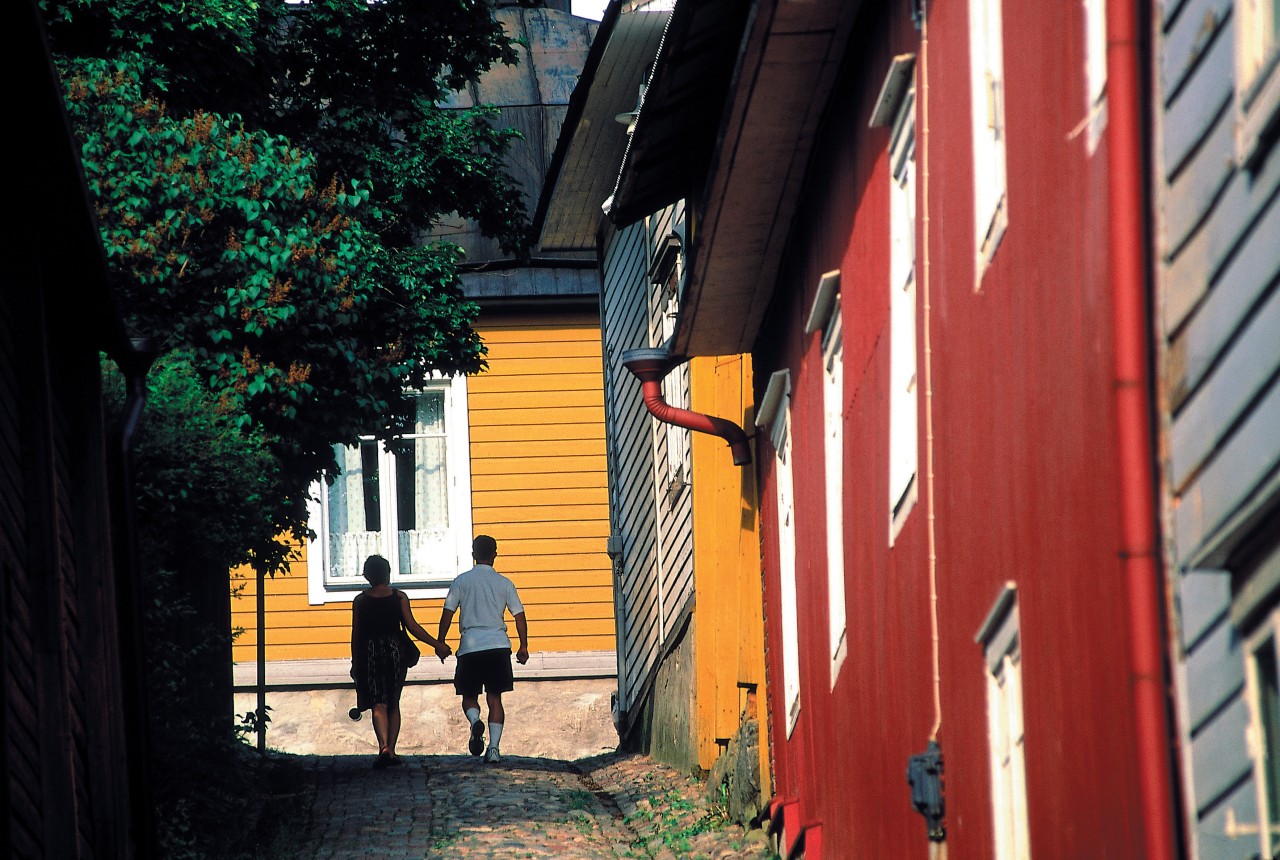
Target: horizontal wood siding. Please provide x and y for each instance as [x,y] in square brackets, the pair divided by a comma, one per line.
[625,325]
[551,535]
[538,485]
[1220,314]
[674,499]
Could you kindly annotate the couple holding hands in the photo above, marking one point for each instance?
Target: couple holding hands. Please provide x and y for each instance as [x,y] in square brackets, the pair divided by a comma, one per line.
[379,662]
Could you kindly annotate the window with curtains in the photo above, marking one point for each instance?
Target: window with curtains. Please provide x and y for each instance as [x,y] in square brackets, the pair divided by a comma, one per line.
[408,502]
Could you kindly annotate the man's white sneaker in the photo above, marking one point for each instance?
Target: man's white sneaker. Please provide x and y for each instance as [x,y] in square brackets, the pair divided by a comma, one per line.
[493,755]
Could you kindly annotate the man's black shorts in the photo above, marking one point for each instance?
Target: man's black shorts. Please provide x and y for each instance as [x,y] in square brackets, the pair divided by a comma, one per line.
[490,670]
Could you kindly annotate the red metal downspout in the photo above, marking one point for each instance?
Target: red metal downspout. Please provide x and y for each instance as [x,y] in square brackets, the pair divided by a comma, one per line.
[650,366]
[1131,332]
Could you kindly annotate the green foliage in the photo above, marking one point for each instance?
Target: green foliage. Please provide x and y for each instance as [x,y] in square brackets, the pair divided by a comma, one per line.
[359,85]
[263,174]
[200,480]
[304,328]
[679,824]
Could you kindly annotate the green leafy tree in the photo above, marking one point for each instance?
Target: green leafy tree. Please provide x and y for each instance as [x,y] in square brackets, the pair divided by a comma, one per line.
[358,84]
[264,174]
[305,326]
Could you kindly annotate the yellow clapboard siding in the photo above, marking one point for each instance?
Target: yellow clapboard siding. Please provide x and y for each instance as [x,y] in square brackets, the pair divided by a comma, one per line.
[589,382]
[535,450]
[522,374]
[543,513]
[543,497]
[562,433]
[539,584]
[537,348]
[539,484]
[510,419]
[544,624]
[538,404]
[560,464]
[548,531]
[591,479]
[532,570]
[544,369]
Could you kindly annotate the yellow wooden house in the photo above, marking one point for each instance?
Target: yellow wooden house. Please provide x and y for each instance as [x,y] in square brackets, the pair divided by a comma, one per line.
[516,452]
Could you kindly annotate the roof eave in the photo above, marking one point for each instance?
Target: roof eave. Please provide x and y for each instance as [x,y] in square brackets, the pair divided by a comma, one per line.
[757,170]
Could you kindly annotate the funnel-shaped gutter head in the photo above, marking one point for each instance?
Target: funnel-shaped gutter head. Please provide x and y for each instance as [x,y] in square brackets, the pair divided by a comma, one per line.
[651,366]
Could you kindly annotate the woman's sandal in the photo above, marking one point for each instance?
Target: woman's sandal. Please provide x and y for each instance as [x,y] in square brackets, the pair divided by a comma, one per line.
[383,760]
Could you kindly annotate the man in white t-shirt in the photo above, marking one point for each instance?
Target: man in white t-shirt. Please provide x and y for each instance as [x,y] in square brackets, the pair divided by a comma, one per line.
[484,652]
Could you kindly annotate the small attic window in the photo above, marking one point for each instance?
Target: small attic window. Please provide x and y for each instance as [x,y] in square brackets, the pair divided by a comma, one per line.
[665,257]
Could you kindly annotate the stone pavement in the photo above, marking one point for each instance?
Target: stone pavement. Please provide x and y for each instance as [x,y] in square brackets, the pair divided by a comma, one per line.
[566,719]
[615,805]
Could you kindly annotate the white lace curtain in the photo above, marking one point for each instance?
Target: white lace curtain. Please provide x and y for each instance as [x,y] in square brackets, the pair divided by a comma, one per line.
[411,484]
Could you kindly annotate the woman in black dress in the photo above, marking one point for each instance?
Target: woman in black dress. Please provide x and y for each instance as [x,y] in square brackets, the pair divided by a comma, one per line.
[378,658]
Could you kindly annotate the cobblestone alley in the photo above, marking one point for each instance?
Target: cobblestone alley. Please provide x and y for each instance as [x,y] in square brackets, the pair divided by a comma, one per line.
[610,806]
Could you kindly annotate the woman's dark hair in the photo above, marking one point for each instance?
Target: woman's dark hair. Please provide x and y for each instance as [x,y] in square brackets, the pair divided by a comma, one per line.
[377,570]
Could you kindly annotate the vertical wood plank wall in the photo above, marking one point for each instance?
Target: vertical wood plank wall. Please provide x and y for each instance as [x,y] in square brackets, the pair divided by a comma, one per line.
[1219,306]
[729,594]
[538,485]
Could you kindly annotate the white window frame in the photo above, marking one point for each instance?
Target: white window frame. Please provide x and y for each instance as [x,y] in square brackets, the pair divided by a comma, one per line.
[323,589]
[1095,71]
[904,442]
[775,414]
[1262,736]
[826,316]
[990,197]
[667,273]
[1001,640]
[1257,27]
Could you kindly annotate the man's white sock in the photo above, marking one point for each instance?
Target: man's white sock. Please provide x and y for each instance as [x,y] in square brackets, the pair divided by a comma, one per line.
[495,734]
[473,714]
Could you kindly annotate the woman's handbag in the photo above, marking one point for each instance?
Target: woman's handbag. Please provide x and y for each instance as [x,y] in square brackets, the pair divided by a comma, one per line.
[408,649]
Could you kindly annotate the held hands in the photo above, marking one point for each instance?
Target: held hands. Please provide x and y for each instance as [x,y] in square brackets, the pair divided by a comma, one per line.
[443,650]
[522,656]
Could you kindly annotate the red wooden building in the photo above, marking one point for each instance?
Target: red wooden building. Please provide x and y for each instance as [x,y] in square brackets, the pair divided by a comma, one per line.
[927,226]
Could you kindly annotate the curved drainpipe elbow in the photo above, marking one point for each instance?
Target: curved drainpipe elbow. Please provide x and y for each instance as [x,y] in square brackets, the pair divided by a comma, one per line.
[651,366]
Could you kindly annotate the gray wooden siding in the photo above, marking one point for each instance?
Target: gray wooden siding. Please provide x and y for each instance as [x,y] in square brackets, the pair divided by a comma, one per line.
[1219,310]
[655,573]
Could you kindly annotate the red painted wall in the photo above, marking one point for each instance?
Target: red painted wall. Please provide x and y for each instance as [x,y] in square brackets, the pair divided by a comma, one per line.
[1023,453]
